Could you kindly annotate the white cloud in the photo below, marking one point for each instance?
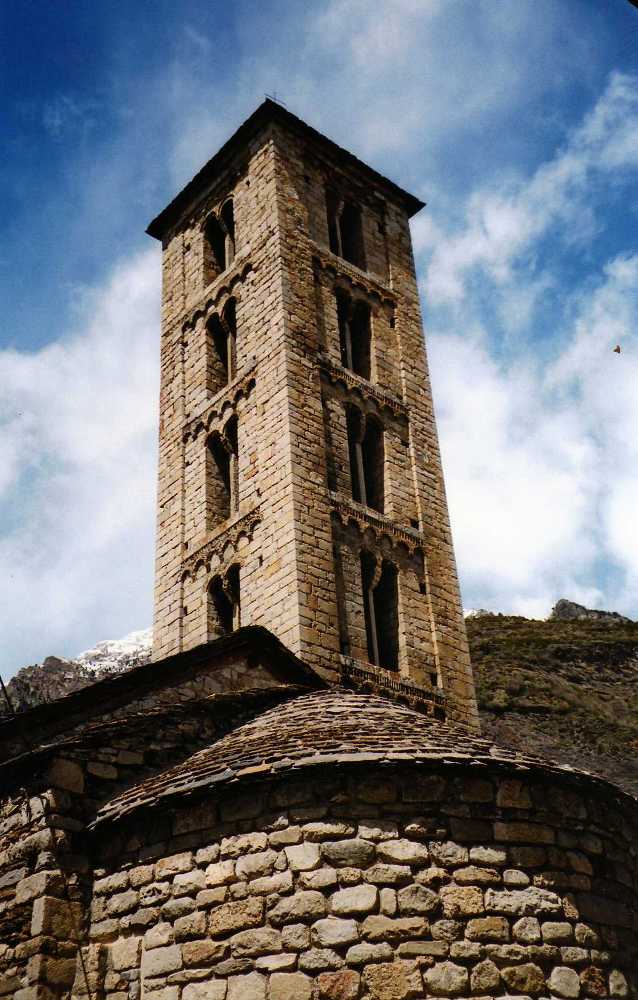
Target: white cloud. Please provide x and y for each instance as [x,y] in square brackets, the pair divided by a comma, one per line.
[540,462]
[78,423]
[504,221]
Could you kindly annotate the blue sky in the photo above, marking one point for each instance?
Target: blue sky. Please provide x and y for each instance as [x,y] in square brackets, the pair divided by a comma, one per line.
[516,121]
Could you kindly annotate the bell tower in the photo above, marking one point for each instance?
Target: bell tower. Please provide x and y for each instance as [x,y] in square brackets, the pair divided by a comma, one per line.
[300,482]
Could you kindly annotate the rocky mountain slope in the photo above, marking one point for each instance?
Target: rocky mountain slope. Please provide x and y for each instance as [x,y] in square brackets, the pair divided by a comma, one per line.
[566,687]
[56,676]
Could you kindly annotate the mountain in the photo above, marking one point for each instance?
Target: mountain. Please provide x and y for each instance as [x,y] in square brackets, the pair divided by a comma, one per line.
[566,688]
[55,676]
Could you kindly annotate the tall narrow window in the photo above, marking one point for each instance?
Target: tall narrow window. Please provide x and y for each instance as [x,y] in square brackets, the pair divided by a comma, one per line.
[221,475]
[224,609]
[366,454]
[219,239]
[345,233]
[221,350]
[354,334]
[381,608]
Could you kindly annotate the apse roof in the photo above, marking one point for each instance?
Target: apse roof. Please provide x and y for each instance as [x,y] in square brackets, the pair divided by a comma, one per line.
[329,727]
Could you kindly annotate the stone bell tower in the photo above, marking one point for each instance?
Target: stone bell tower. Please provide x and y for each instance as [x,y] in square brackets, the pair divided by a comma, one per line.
[300,483]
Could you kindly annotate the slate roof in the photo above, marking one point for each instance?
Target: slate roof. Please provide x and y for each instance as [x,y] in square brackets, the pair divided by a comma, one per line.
[268,111]
[330,727]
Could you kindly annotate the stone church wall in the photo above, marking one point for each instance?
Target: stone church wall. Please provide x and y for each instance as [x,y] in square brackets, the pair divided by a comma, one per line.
[361,885]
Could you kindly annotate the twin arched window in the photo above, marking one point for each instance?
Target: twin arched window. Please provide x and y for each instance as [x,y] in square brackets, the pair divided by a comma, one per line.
[354,335]
[224,606]
[381,610]
[222,480]
[345,232]
[221,348]
[367,458]
[219,242]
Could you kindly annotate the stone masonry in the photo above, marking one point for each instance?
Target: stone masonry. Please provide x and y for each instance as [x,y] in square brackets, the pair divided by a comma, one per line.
[286,549]
[292,801]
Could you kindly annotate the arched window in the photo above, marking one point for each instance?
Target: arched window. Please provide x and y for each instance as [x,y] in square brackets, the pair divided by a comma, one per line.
[219,240]
[366,453]
[381,608]
[221,348]
[222,499]
[345,232]
[354,335]
[224,608]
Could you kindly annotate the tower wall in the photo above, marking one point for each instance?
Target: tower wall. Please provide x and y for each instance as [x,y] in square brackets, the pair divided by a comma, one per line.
[299,536]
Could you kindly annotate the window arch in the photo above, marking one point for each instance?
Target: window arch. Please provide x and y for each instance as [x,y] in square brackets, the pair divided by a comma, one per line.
[224,605]
[221,344]
[345,231]
[379,580]
[219,241]
[222,485]
[367,459]
[355,334]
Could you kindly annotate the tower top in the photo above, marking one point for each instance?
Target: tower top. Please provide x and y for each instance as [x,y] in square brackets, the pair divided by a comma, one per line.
[270,112]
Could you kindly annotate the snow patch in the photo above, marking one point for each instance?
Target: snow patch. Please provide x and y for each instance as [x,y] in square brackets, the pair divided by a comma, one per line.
[115,655]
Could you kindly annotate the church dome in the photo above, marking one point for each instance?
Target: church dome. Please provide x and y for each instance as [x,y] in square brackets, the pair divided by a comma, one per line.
[325,727]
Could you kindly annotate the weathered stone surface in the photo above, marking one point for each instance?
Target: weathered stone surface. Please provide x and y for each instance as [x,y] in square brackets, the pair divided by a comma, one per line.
[236,916]
[618,986]
[485,977]
[403,852]
[565,982]
[303,857]
[260,941]
[523,902]
[334,932]
[527,978]
[396,980]
[290,986]
[249,987]
[380,928]
[362,954]
[383,874]
[356,852]
[342,985]
[256,865]
[355,900]
[125,954]
[527,930]
[214,989]
[303,906]
[414,899]
[320,959]
[161,960]
[447,979]
[461,900]
[557,932]
[488,929]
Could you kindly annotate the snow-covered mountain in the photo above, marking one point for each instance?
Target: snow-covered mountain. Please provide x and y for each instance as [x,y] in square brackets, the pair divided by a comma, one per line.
[114,655]
[57,676]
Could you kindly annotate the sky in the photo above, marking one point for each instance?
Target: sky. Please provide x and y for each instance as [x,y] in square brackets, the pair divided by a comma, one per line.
[515,120]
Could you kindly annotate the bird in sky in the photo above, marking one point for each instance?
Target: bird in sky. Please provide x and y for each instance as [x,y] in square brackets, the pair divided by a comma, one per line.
[617,349]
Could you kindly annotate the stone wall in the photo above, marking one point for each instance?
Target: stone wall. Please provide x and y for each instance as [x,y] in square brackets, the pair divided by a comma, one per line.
[361,885]
[295,534]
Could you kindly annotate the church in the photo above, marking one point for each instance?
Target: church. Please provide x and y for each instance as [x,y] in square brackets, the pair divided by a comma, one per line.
[293,800]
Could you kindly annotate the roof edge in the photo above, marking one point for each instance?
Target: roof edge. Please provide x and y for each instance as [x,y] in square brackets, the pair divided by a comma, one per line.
[268,111]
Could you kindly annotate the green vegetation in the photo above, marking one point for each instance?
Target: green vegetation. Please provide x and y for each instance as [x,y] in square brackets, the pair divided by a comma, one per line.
[564,689]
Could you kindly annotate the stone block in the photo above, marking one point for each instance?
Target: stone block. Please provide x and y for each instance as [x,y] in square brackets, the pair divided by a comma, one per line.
[447,979]
[403,852]
[416,899]
[290,986]
[236,916]
[303,857]
[485,977]
[526,979]
[364,953]
[220,873]
[527,930]
[462,901]
[125,953]
[334,932]
[249,987]
[256,865]
[342,985]
[355,853]
[159,961]
[380,928]
[522,902]
[174,865]
[259,941]
[488,929]
[358,899]
[302,907]
[564,982]
[215,989]
[398,980]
